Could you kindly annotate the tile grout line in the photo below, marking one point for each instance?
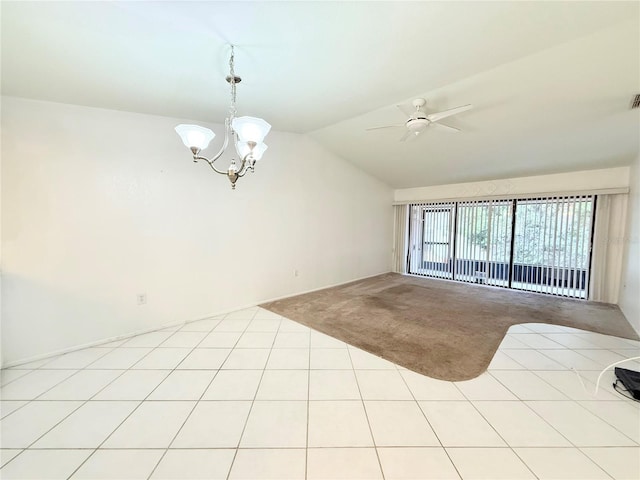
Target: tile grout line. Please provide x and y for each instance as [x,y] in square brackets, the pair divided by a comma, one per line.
[40,368]
[582,451]
[456,447]
[204,391]
[429,423]
[584,409]
[82,402]
[524,401]
[141,401]
[546,335]
[28,371]
[494,428]
[521,399]
[575,448]
[255,395]
[568,399]
[366,414]
[532,410]
[541,351]
[579,402]
[306,449]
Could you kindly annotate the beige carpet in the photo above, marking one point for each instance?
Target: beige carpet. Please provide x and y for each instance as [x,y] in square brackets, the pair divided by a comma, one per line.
[445,330]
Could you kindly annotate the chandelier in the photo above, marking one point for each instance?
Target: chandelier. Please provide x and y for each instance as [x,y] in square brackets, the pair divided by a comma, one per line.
[247,135]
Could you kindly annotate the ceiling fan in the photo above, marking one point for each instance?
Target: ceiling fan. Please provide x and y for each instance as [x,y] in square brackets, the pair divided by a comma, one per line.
[419,120]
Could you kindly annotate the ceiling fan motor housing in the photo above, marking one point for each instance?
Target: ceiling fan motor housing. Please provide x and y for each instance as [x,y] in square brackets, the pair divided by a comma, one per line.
[417,124]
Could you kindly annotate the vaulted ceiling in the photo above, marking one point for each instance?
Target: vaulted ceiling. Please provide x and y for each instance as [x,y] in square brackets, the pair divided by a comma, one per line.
[550,82]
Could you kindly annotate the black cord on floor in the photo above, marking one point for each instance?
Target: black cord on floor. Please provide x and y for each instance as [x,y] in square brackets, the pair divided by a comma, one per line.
[623,391]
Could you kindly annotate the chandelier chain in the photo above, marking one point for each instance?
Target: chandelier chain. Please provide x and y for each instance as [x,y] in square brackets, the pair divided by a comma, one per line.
[232,74]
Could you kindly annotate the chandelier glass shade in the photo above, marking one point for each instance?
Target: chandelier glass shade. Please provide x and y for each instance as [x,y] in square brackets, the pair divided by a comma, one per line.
[250,129]
[246,133]
[195,136]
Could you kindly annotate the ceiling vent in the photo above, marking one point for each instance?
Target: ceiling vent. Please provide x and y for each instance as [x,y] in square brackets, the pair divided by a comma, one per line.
[635,102]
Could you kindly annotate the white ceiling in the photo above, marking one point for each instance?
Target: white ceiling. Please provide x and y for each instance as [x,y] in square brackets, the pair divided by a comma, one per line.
[551,82]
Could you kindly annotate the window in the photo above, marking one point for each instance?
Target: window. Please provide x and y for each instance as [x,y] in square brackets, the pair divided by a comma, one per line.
[436,240]
[483,242]
[552,245]
[541,245]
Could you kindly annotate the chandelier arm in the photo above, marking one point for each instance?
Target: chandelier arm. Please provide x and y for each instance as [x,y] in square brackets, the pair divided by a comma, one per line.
[209,162]
[245,167]
[222,149]
[246,163]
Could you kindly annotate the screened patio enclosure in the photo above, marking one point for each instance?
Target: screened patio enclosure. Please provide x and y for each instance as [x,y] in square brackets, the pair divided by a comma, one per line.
[539,244]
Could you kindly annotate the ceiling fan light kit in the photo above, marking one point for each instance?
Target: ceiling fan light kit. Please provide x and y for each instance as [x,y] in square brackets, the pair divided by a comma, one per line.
[247,134]
[419,120]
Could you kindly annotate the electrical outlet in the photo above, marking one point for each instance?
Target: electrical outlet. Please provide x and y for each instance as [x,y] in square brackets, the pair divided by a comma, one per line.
[141,298]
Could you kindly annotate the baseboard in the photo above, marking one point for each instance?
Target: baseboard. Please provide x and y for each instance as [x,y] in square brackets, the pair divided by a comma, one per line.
[169,325]
[89,344]
[321,288]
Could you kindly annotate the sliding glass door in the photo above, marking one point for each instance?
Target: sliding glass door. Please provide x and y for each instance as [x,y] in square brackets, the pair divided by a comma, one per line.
[432,254]
[436,241]
[540,245]
[552,245]
[483,242]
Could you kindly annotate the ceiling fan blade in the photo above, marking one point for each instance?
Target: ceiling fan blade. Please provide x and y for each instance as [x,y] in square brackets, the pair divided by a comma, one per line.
[434,117]
[406,135]
[386,126]
[406,110]
[446,128]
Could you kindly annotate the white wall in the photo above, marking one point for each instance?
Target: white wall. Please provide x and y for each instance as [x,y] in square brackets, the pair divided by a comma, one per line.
[629,299]
[582,181]
[100,205]
[1,264]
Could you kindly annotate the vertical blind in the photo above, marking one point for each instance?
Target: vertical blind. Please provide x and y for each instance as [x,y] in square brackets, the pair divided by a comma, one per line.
[552,247]
[483,242]
[608,247]
[430,246]
[541,244]
[399,260]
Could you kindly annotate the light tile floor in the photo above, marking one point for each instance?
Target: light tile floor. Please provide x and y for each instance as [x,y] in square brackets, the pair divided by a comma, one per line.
[252,395]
